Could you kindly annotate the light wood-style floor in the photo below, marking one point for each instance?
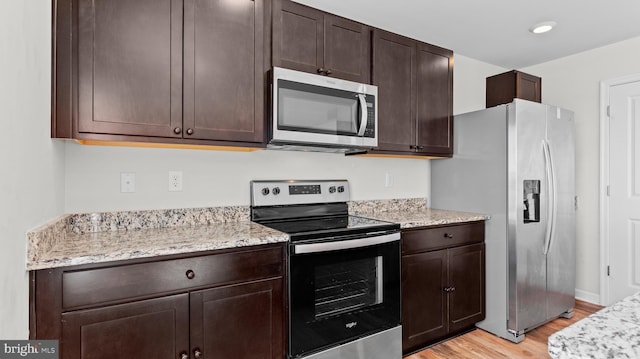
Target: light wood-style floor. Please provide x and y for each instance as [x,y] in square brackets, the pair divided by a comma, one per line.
[481,344]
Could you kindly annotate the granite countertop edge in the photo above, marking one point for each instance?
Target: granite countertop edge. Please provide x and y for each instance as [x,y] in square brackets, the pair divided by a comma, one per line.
[87,238]
[99,247]
[611,332]
[427,217]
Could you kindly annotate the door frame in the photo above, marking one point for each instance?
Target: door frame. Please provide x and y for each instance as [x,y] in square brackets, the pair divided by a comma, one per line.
[605,88]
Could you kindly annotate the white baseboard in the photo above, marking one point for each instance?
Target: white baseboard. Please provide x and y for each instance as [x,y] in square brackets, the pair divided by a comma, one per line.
[588,296]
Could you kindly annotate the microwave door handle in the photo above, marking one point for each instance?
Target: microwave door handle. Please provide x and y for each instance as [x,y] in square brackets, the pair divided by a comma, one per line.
[363,114]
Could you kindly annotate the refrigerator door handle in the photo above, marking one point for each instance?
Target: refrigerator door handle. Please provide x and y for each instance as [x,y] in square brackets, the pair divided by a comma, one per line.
[551,202]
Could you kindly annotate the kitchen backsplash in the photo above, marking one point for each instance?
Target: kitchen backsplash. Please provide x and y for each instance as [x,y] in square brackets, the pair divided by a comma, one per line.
[132,220]
[387,205]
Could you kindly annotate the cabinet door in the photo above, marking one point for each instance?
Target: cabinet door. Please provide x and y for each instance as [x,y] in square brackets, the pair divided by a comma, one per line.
[528,87]
[394,74]
[347,47]
[466,275]
[434,100]
[297,36]
[424,307]
[239,321]
[224,70]
[154,328]
[129,67]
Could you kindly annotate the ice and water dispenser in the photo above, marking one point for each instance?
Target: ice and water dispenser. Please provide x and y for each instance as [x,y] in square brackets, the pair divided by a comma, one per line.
[531,201]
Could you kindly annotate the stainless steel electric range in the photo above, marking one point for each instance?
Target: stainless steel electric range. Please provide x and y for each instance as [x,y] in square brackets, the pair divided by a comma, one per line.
[343,271]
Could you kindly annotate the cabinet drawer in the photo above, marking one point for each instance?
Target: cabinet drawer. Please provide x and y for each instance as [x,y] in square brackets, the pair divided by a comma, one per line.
[431,238]
[89,287]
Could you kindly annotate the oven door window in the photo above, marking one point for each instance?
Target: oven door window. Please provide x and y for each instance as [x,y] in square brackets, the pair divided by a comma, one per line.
[310,108]
[338,296]
[348,286]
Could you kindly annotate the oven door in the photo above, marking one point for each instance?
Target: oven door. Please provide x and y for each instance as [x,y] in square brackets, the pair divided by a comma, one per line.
[339,295]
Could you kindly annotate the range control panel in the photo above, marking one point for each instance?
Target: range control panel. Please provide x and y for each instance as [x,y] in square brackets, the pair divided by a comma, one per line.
[287,192]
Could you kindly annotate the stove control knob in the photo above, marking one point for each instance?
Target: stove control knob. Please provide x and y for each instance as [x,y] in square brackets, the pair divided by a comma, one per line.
[340,189]
[265,191]
[275,191]
[332,189]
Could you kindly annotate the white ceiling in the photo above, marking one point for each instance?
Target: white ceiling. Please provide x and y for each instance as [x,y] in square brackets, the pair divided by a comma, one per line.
[497,31]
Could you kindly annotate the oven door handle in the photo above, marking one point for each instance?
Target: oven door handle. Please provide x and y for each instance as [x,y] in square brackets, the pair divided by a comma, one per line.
[347,244]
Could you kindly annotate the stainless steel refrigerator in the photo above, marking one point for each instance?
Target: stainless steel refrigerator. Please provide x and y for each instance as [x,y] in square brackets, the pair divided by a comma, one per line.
[516,162]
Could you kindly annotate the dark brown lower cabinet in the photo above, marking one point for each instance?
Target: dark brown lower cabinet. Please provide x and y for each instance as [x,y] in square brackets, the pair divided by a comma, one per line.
[157,328]
[466,279]
[443,288]
[220,304]
[237,321]
[424,303]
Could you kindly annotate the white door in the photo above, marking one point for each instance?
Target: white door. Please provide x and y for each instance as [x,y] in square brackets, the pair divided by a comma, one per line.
[624,191]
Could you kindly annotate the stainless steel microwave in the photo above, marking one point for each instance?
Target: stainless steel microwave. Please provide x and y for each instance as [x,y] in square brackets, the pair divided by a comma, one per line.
[318,112]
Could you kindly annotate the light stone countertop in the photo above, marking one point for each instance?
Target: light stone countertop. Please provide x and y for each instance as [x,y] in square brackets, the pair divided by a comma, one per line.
[613,332]
[411,213]
[425,217]
[85,238]
[97,247]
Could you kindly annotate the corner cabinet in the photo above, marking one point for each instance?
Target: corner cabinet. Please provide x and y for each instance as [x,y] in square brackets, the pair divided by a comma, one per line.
[443,288]
[310,40]
[223,304]
[415,91]
[173,71]
[505,87]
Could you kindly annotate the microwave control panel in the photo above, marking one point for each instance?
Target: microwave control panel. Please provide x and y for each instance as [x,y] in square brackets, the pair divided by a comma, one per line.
[370,130]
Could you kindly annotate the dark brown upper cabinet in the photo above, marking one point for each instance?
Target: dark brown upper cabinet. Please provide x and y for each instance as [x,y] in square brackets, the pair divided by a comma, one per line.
[129,66]
[306,39]
[415,96]
[187,72]
[224,69]
[505,87]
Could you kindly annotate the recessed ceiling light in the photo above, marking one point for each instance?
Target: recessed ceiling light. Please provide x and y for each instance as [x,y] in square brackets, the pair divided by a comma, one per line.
[541,27]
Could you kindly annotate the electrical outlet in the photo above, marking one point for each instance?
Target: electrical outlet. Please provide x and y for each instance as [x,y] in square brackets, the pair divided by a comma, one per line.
[127,182]
[175,181]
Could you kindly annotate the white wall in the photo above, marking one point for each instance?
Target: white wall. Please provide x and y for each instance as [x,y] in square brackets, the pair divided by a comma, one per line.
[31,185]
[215,178]
[573,83]
[469,83]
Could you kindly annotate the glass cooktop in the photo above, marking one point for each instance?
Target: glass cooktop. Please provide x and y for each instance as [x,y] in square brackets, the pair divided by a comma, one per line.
[327,227]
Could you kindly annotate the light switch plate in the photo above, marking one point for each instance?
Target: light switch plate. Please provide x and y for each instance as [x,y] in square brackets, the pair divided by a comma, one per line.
[388,180]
